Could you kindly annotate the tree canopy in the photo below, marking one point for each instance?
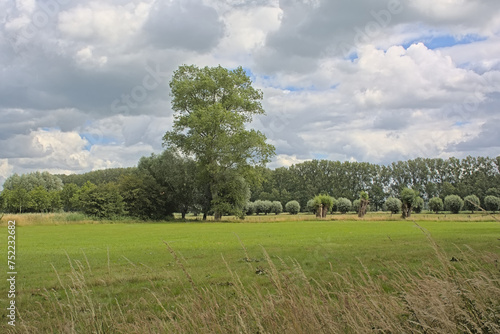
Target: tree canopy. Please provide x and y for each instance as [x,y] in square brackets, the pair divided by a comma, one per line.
[211,107]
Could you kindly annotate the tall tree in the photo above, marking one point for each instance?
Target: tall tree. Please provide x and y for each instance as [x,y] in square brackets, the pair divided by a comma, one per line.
[212,106]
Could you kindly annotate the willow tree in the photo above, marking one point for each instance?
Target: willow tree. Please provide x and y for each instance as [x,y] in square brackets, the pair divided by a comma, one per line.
[212,106]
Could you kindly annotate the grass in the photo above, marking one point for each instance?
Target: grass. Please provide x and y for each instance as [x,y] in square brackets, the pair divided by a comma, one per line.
[343,276]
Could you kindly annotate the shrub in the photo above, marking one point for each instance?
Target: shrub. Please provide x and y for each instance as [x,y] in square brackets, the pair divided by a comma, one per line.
[343,205]
[356,204]
[276,207]
[393,204]
[250,208]
[471,203]
[492,203]
[311,206]
[453,203]
[263,206]
[436,204]
[292,207]
[418,204]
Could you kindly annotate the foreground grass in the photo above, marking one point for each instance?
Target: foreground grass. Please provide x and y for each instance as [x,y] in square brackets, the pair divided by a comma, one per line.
[333,276]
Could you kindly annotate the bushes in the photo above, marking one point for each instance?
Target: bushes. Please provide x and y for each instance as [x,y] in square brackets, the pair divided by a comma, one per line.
[393,204]
[436,204]
[292,207]
[492,203]
[418,204]
[471,203]
[276,207]
[343,205]
[263,207]
[453,203]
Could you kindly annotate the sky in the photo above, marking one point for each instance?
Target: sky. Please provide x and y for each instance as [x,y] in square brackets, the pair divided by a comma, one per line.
[84,85]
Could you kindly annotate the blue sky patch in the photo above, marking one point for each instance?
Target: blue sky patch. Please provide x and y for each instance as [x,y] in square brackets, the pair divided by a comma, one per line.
[96,139]
[444,41]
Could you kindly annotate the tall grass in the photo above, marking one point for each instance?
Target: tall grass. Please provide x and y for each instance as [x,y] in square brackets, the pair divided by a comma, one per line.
[458,295]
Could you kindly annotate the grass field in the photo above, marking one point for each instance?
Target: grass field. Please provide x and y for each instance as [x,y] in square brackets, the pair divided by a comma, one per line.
[77,275]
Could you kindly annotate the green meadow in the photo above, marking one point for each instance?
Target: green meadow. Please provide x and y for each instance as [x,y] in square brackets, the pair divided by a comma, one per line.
[79,276]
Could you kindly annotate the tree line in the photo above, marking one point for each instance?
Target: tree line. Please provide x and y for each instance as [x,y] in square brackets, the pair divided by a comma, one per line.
[169,182]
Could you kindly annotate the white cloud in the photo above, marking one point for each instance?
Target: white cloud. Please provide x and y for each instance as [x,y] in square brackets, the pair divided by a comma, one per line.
[392,98]
[109,23]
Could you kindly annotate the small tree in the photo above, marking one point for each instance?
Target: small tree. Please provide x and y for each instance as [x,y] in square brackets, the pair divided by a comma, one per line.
[311,206]
[343,205]
[453,203]
[492,203]
[323,204]
[356,204]
[418,204]
[364,203]
[292,207]
[393,204]
[262,207]
[408,197]
[436,204]
[250,208]
[471,203]
[276,207]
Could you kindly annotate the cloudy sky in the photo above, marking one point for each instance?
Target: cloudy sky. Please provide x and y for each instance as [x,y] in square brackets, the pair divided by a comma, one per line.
[84,84]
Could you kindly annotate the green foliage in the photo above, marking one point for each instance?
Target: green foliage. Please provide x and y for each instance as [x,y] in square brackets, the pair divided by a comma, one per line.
[212,106]
[97,176]
[418,204]
[276,207]
[262,206]
[323,204]
[69,190]
[55,203]
[436,204]
[356,205]
[344,205]
[233,194]
[103,201]
[492,203]
[33,180]
[408,199]
[472,203]
[250,208]
[176,180]
[311,206]
[453,203]
[292,207]
[393,204]
[39,199]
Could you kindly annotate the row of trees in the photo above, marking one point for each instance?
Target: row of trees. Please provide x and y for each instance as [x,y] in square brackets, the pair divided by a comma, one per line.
[166,183]
[478,176]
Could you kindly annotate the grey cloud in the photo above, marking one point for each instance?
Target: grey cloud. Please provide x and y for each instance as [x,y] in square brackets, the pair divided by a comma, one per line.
[185,24]
[391,120]
[489,137]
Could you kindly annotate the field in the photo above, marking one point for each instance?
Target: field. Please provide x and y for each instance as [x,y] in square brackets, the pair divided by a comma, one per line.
[265,274]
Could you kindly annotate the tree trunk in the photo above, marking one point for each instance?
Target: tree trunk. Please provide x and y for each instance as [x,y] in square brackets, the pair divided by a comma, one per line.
[204,216]
[363,207]
[319,211]
[324,211]
[215,196]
